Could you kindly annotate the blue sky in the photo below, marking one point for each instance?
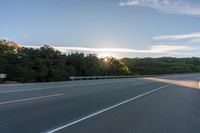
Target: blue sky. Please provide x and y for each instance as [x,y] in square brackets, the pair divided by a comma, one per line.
[120,28]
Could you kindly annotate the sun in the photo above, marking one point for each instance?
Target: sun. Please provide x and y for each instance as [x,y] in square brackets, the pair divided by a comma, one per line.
[105,59]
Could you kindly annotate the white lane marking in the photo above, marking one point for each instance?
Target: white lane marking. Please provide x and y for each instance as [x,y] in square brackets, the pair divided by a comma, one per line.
[104,110]
[30,99]
[53,87]
[33,89]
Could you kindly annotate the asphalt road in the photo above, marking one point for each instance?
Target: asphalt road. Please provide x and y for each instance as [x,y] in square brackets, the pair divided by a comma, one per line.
[135,105]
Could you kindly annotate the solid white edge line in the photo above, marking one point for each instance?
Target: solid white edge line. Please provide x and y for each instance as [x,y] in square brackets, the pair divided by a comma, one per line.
[106,109]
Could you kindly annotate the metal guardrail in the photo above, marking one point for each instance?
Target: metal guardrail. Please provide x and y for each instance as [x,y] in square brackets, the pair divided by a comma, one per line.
[106,77]
[116,77]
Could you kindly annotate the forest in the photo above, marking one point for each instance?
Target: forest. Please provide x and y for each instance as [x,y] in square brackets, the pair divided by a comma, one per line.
[45,64]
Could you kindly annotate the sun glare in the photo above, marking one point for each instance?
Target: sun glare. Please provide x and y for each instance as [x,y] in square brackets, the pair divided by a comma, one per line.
[105,59]
[105,54]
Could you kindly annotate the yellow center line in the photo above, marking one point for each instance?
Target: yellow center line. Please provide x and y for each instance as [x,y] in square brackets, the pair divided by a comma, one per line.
[30,99]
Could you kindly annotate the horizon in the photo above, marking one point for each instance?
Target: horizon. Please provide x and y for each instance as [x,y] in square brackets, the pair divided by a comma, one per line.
[99,52]
[117,28]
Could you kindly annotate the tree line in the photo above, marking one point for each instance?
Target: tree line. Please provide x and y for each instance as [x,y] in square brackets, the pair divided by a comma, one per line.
[163,65]
[46,64]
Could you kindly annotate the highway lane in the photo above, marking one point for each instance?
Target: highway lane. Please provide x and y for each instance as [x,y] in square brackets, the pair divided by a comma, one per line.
[45,107]
[172,110]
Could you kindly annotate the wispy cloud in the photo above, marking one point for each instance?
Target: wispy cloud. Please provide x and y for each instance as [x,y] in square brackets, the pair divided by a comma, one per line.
[153,49]
[193,36]
[169,48]
[100,49]
[188,7]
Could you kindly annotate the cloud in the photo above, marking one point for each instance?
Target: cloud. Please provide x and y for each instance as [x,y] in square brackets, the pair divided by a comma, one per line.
[187,7]
[193,36]
[169,48]
[159,49]
[100,49]
[196,40]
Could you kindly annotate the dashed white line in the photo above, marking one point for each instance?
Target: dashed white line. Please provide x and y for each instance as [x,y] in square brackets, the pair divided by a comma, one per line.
[53,87]
[104,110]
[29,99]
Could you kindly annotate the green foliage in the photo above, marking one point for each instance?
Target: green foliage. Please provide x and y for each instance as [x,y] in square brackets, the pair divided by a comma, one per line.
[8,47]
[47,64]
[112,66]
[164,65]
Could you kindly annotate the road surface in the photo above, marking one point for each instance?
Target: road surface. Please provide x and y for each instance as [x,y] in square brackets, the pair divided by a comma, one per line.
[136,105]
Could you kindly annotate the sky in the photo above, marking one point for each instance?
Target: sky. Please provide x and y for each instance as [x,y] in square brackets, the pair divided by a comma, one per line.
[118,28]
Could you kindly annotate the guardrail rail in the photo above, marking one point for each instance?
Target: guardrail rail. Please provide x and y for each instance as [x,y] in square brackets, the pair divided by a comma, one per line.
[105,77]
